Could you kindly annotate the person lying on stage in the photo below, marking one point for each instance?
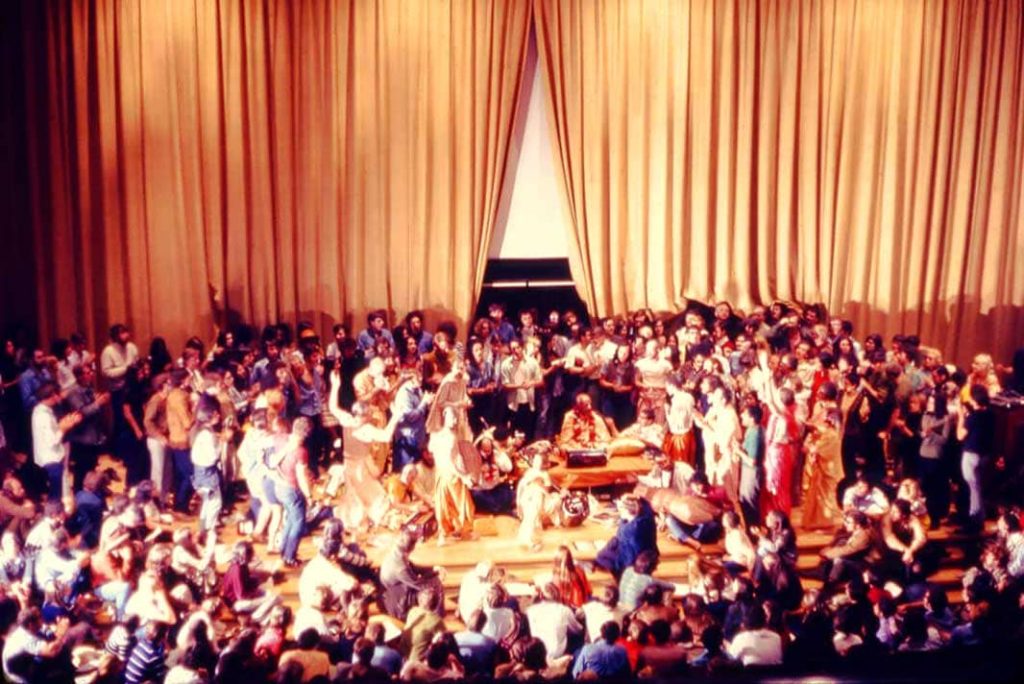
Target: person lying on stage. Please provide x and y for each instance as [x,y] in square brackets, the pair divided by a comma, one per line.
[583,428]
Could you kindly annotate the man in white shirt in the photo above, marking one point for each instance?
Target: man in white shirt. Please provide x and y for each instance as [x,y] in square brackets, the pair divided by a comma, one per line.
[117,357]
[24,643]
[604,608]
[862,496]
[323,574]
[756,645]
[520,377]
[552,621]
[49,450]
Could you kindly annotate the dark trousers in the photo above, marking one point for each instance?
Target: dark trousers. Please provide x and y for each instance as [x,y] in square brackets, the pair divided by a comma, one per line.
[182,459]
[84,458]
[404,452]
[935,487]
[316,444]
[523,420]
[134,453]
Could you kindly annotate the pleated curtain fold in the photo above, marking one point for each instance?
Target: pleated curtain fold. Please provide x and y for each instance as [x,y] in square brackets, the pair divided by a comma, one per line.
[197,163]
[868,154]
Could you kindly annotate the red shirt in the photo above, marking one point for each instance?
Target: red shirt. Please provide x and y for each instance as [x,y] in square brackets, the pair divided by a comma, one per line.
[289,465]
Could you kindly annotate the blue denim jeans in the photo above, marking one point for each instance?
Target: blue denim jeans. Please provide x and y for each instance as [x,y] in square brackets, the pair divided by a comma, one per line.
[116,592]
[294,504]
[705,533]
[206,480]
[55,480]
[182,460]
[405,451]
[971,466]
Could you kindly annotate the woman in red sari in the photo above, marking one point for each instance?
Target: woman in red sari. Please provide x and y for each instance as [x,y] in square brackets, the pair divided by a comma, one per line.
[782,439]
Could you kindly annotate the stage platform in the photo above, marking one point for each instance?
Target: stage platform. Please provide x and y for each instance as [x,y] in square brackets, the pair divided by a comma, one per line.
[620,470]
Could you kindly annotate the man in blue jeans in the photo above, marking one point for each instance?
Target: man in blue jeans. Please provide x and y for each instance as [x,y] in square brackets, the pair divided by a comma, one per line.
[290,471]
[703,508]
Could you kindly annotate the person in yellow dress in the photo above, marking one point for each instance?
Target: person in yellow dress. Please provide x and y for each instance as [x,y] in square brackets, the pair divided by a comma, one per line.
[453,504]
[822,473]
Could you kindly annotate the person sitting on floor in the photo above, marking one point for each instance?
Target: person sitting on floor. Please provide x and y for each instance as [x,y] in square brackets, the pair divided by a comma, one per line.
[583,427]
[637,533]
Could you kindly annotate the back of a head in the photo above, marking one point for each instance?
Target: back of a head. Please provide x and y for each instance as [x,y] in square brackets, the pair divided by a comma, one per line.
[476,622]
[308,639]
[711,637]
[646,562]
[660,631]
[535,654]
[363,651]
[610,595]
[754,619]
[437,655]
[427,599]
[653,595]
[610,631]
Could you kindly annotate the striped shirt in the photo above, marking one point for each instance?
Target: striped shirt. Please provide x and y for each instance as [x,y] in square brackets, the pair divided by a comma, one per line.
[146,663]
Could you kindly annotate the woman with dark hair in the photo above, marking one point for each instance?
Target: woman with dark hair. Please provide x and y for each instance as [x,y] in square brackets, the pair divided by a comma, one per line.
[159,356]
[781,437]
[617,381]
[936,427]
[130,442]
[976,427]
[570,579]
[481,385]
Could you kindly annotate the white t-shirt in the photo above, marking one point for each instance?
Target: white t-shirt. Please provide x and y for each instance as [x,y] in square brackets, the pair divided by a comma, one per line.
[551,623]
[596,614]
[756,647]
[309,618]
[322,572]
[20,641]
[205,449]
[48,446]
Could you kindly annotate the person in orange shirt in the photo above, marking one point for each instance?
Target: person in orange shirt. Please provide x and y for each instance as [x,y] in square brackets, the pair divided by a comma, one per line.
[179,424]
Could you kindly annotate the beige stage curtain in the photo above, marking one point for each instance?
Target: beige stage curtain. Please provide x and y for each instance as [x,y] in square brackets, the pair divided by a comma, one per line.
[195,162]
[868,154]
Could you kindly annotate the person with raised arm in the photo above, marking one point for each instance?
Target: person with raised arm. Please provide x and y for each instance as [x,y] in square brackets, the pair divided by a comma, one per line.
[364,501]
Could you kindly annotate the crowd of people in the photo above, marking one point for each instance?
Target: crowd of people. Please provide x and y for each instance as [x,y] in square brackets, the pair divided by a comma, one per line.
[410,435]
